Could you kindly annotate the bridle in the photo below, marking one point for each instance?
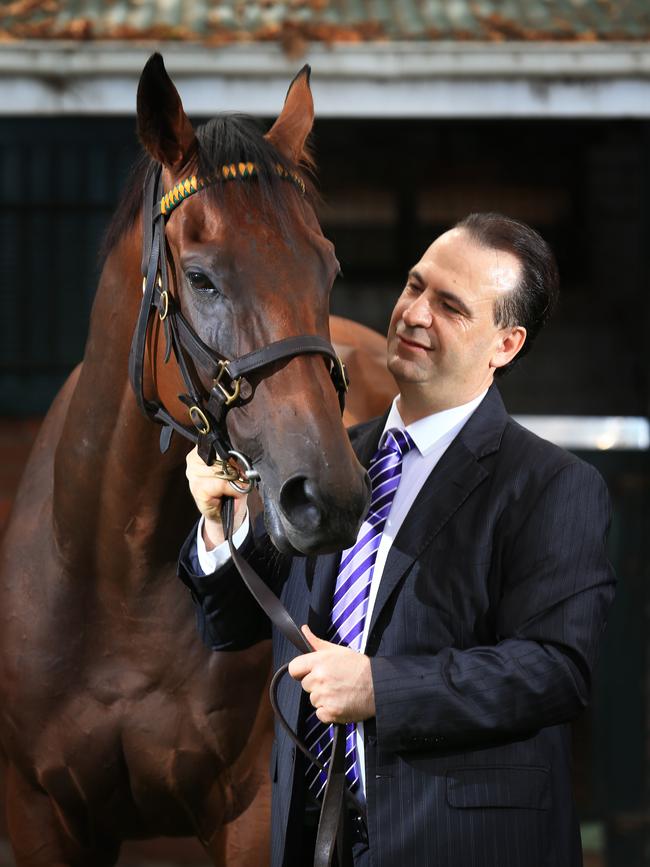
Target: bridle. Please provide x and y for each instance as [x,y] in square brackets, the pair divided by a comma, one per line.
[230,386]
[207,414]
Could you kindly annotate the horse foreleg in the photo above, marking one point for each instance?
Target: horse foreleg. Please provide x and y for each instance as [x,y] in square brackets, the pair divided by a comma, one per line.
[38,834]
[247,841]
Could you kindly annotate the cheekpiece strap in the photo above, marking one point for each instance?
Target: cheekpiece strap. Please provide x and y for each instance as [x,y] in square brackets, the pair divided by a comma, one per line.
[231,172]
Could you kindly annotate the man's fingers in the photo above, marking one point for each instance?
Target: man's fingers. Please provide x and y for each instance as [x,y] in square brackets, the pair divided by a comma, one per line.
[209,489]
[325,716]
[212,513]
[300,666]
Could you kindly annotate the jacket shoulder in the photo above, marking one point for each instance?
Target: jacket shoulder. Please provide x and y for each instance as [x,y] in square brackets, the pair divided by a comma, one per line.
[528,452]
[357,431]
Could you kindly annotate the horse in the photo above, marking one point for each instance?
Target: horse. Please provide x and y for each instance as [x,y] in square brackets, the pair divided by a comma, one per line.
[116,723]
[363,351]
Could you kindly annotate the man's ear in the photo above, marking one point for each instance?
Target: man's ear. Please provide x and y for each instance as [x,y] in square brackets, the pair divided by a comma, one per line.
[290,131]
[510,342]
[163,127]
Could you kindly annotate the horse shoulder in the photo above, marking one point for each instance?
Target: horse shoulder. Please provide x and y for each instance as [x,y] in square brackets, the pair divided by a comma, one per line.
[363,352]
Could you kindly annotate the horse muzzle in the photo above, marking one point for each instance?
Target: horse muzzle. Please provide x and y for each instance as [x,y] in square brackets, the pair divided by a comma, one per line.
[308,519]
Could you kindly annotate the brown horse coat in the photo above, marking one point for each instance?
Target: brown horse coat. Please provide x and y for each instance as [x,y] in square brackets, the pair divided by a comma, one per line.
[115,722]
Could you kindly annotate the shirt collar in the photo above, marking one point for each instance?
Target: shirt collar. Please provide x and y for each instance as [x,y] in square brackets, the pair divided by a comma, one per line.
[427,432]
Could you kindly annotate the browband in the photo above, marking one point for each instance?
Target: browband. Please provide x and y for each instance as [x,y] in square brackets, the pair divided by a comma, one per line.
[230,172]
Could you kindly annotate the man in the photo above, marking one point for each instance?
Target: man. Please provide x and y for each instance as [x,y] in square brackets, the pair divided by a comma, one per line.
[483,597]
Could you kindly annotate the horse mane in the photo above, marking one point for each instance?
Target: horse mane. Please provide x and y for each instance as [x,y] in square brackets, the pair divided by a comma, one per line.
[225,139]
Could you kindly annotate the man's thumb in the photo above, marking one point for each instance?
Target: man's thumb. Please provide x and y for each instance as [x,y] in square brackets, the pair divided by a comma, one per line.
[316,642]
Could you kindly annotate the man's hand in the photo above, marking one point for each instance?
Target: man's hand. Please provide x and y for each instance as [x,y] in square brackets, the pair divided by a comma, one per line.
[208,490]
[338,680]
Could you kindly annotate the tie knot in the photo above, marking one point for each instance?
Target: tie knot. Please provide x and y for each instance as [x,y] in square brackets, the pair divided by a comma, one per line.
[397,441]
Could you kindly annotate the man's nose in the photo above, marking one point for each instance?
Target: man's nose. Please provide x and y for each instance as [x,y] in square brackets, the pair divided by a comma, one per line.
[418,313]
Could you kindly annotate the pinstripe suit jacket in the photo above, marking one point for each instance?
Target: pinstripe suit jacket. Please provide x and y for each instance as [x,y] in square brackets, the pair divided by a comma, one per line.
[482,642]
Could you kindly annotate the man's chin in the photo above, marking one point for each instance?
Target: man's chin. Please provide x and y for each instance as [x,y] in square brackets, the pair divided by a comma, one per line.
[406,371]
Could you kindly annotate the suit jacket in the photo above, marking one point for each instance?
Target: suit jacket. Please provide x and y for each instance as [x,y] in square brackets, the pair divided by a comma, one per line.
[482,642]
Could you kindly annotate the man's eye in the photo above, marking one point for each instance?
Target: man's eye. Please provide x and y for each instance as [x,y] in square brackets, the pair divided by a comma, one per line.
[200,282]
[449,308]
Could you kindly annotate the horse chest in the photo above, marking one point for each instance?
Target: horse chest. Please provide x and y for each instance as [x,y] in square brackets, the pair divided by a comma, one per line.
[140,754]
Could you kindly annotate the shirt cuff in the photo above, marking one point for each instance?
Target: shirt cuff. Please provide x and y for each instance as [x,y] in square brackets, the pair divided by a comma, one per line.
[210,561]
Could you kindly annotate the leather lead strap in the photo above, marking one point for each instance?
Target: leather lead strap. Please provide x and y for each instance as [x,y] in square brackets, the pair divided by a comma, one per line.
[332,816]
[331,823]
[265,598]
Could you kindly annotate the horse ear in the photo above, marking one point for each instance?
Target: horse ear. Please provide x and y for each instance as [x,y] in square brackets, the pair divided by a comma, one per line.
[289,133]
[163,127]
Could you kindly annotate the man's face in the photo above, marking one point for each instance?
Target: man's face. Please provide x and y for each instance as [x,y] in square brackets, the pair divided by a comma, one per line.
[443,345]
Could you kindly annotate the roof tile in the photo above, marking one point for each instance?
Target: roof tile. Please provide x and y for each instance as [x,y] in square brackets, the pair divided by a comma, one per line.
[301,21]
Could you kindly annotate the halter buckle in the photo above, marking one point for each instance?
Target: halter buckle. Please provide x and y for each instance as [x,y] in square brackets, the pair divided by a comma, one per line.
[158,281]
[344,373]
[247,479]
[230,397]
[165,298]
[226,471]
[199,419]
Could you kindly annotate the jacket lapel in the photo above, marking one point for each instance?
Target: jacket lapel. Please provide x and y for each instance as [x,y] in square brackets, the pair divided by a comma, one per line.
[320,599]
[452,480]
[365,439]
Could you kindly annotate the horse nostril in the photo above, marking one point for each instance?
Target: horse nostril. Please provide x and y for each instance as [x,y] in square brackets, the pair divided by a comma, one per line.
[299,502]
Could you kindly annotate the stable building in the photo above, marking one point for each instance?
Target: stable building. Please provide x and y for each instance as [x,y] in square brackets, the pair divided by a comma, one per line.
[425,111]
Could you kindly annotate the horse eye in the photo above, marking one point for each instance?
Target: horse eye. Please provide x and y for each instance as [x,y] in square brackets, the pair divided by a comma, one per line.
[200,282]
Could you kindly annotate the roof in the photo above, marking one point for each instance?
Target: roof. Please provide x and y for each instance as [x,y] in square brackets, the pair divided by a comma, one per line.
[296,23]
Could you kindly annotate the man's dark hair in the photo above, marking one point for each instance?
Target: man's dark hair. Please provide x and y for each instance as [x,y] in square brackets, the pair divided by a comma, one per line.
[533,299]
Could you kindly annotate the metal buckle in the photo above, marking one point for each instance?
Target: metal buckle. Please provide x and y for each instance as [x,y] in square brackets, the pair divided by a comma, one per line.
[344,373]
[225,470]
[242,481]
[165,296]
[202,425]
[249,476]
[236,383]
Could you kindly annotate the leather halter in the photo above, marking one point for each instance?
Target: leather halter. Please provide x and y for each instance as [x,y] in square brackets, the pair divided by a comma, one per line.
[208,415]
[230,388]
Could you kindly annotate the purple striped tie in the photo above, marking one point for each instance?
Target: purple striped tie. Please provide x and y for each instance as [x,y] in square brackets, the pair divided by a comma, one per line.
[351,593]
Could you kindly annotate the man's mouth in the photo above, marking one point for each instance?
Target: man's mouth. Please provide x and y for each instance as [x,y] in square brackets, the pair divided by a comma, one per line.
[413,344]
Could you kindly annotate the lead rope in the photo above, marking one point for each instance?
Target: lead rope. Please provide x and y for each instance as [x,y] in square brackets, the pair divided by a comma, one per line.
[331,824]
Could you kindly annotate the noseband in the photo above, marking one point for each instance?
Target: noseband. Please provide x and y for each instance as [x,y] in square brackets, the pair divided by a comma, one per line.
[229,389]
[230,386]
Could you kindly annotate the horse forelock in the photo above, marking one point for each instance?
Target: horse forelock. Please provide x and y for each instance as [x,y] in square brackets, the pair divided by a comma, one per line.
[225,139]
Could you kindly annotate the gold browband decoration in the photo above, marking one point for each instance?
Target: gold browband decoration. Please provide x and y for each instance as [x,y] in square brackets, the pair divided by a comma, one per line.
[233,171]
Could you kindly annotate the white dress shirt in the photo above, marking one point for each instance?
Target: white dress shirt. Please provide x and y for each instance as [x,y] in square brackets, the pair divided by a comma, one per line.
[210,561]
[432,436]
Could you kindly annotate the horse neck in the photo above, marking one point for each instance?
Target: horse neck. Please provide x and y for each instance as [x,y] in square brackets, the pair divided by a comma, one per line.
[114,492]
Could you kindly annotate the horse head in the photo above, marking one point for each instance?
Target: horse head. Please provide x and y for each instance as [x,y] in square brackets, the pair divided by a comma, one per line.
[248,265]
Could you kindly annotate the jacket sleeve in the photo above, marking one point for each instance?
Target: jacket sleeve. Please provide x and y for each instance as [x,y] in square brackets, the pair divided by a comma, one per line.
[556,588]
[227,615]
